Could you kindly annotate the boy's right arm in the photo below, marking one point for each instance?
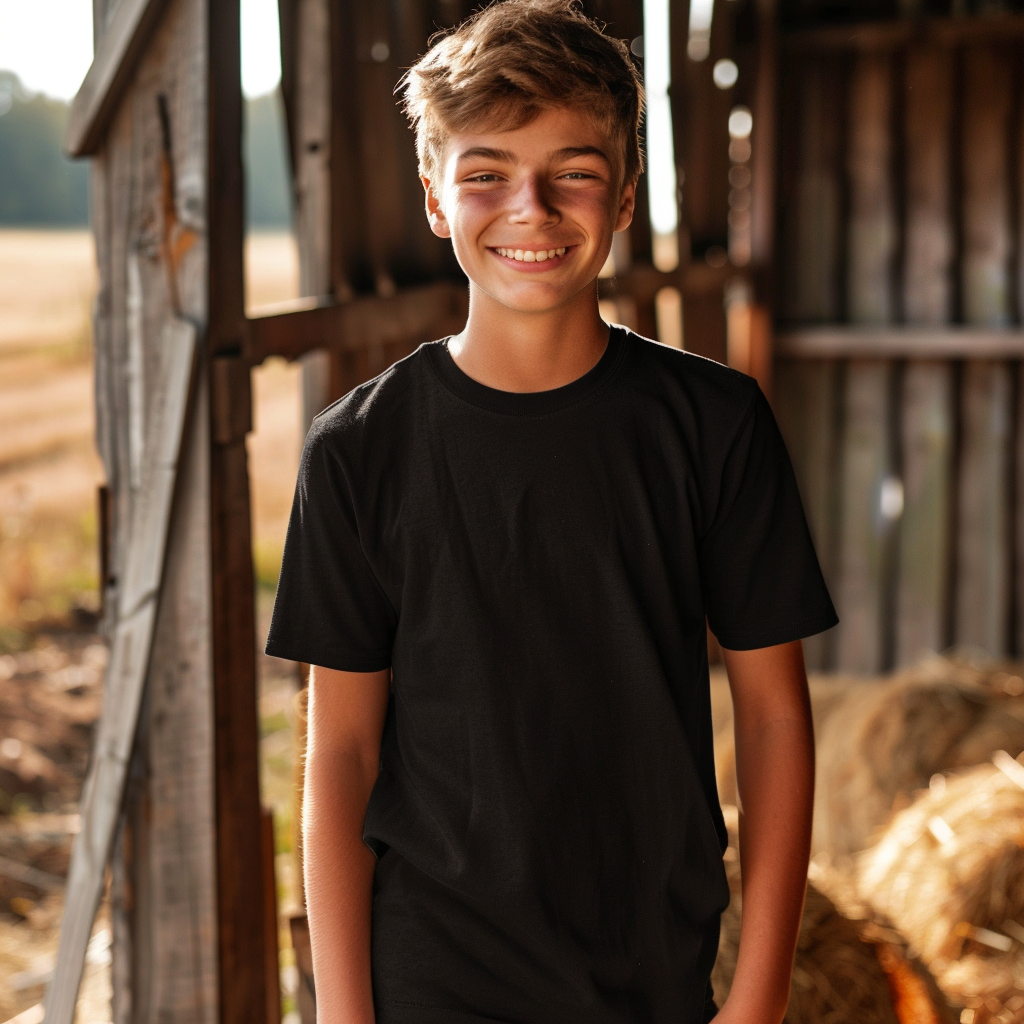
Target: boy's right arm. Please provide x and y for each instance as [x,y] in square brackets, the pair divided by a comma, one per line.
[346,719]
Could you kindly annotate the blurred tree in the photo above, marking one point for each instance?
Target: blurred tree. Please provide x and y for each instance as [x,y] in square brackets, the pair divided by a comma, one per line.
[38,184]
[41,187]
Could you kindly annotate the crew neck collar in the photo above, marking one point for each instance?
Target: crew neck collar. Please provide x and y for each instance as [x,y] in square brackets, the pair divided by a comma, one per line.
[526,403]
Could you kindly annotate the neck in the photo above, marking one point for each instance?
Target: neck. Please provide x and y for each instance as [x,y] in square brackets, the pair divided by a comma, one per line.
[515,351]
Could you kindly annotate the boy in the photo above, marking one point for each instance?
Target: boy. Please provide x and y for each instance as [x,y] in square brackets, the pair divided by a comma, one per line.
[500,559]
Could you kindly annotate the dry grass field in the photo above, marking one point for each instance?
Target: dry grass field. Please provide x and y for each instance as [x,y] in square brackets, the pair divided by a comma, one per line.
[49,469]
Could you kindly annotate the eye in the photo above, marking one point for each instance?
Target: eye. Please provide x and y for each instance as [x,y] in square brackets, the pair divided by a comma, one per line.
[484,177]
[578,175]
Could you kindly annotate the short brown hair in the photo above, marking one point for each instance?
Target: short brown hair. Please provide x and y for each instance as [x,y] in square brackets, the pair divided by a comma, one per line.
[509,62]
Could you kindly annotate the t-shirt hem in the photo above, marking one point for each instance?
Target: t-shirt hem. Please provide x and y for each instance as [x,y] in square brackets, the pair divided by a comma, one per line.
[776,635]
[341,661]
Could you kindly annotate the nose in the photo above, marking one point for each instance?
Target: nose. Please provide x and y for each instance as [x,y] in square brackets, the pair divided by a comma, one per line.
[531,203]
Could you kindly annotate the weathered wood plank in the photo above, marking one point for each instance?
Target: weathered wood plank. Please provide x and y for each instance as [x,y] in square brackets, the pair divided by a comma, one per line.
[872,223]
[763,157]
[125,677]
[899,342]
[313,132]
[865,538]
[812,195]
[123,42]
[890,34]
[923,577]
[272,970]
[863,549]
[981,610]
[431,311]
[165,949]
[807,401]
[807,398]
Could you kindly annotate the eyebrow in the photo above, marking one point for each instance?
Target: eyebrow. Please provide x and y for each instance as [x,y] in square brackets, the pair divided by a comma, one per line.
[506,156]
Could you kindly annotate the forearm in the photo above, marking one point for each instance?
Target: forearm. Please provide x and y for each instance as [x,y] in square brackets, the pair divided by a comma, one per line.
[775,783]
[775,786]
[339,871]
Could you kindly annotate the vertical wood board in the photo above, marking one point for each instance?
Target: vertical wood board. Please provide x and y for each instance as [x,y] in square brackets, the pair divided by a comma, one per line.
[926,414]
[982,602]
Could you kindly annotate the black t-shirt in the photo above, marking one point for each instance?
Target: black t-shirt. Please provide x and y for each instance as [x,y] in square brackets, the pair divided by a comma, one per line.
[536,569]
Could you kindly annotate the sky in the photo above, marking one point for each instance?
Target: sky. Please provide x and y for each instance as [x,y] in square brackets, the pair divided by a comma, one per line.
[48,44]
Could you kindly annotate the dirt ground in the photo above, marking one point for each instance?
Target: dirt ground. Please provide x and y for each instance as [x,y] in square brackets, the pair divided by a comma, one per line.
[51,661]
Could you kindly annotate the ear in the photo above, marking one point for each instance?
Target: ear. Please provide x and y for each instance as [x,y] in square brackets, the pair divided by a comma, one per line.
[435,215]
[627,201]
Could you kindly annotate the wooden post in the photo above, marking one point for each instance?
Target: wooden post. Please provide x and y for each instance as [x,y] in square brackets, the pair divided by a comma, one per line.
[240,881]
[310,128]
[272,968]
[981,608]
[866,457]
[927,413]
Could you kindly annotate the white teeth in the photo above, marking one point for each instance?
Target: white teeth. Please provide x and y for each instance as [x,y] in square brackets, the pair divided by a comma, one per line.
[530,255]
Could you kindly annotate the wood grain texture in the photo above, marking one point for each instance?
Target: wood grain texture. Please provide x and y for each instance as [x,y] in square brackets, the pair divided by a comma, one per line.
[807,400]
[926,398]
[865,537]
[123,41]
[414,314]
[150,182]
[982,604]
[241,927]
[272,969]
[923,576]
[981,609]
[126,674]
[812,194]
[899,342]
[313,134]
[872,221]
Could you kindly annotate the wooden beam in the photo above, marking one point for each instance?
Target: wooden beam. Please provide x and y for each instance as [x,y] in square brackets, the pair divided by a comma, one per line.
[897,33]
[899,343]
[431,311]
[123,42]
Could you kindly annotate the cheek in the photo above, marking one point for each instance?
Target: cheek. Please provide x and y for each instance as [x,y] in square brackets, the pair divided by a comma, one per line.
[472,212]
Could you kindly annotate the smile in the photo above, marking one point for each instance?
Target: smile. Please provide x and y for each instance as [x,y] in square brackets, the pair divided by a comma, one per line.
[531,255]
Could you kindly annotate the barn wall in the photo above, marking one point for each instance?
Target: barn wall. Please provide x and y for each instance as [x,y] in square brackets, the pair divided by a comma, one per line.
[899,207]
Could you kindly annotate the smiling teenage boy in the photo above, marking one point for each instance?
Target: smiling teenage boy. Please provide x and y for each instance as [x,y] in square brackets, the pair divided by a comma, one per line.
[500,559]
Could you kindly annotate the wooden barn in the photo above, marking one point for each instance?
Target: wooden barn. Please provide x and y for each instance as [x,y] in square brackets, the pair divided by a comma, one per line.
[845,220]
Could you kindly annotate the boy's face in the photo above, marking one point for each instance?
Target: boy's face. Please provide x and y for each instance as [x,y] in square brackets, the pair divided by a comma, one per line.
[549,192]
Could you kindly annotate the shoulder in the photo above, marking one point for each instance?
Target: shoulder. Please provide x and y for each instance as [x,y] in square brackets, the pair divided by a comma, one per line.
[714,398]
[380,405]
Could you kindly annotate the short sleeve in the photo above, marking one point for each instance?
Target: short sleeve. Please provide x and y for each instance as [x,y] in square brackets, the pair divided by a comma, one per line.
[330,609]
[760,576]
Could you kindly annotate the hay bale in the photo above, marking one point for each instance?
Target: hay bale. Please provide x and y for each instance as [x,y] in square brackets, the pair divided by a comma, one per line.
[883,742]
[837,977]
[948,873]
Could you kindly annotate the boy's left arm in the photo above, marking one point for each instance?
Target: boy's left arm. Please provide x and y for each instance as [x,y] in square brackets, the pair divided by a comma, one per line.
[775,786]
